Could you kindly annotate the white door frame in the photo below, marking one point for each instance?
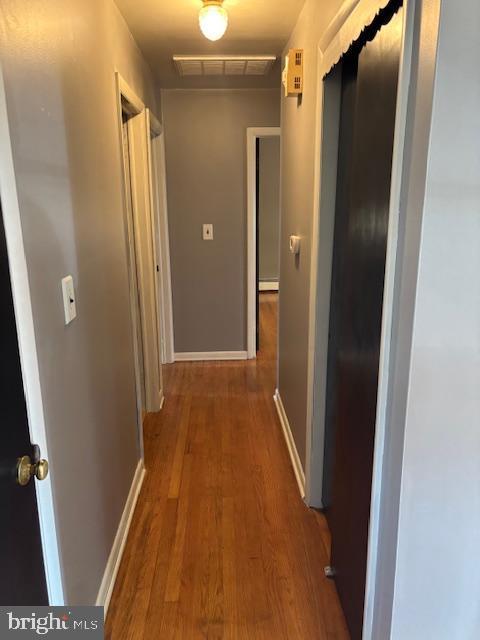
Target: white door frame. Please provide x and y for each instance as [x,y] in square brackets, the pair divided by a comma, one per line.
[28,354]
[346,27]
[253,134]
[136,106]
[141,201]
[162,241]
[153,130]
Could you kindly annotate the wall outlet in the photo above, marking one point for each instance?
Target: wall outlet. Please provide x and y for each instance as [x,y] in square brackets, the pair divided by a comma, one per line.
[208,231]
[69,303]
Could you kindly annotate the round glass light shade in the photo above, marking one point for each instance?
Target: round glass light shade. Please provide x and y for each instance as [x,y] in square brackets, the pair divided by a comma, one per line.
[213,20]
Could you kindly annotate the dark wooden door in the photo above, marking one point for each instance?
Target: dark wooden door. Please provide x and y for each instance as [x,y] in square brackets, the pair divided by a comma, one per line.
[363,194]
[22,574]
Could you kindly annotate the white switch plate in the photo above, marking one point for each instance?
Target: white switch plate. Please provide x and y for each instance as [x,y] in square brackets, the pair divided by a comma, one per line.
[208,231]
[69,303]
[295,242]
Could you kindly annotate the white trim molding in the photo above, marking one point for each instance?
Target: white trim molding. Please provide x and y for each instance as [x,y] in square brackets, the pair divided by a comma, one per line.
[290,442]
[141,247]
[115,557]
[345,28]
[253,133]
[388,340]
[200,356]
[152,131]
[164,278]
[156,128]
[271,285]
[134,103]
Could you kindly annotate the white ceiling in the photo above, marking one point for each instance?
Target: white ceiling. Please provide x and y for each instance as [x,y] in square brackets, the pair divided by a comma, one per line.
[164,28]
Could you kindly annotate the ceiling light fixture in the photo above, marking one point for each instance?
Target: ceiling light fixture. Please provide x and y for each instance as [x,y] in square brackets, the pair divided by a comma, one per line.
[213,19]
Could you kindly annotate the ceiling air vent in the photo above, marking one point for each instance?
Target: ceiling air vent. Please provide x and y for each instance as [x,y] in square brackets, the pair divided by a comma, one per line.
[224,65]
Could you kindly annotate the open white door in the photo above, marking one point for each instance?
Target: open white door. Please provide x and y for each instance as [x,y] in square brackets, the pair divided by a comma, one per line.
[162,243]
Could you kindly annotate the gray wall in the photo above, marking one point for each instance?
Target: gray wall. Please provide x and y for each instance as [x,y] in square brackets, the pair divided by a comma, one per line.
[205,136]
[269,209]
[437,581]
[297,171]
[59,58]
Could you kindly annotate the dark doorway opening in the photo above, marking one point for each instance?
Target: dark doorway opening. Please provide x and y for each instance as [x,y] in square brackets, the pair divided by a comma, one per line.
[366,136]
[267,205]
[22,577]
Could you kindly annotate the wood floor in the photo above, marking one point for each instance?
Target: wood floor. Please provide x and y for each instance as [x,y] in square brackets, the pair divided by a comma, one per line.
[221,545]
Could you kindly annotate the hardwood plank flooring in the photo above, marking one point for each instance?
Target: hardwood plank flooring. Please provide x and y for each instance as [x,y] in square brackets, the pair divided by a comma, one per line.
[221,545]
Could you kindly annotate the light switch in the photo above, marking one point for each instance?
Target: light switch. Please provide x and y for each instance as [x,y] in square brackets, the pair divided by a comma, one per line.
[295,244]
[69,303]
[208,231]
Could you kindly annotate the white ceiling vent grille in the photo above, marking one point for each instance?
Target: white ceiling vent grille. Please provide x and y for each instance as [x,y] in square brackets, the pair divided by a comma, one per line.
[235,67]
[212,68]
[224,65]
[255,68]
[192,69]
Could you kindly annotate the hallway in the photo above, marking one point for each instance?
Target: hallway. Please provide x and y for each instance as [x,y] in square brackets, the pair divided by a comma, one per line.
[221,545]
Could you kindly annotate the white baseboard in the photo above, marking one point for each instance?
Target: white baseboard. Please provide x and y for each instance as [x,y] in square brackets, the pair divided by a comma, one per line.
[271,285]
[292,449]
[113,563]
[195,356]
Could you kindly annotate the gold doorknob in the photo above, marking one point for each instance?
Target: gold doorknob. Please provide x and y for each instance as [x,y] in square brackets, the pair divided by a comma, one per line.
[26,469]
